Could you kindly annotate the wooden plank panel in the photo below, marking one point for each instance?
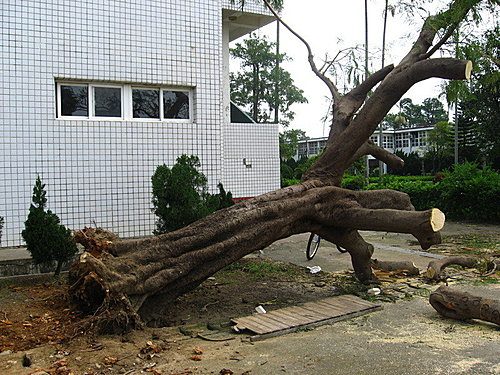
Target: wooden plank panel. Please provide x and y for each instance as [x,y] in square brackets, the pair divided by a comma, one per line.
[287,316]
[331,309]
[310,314]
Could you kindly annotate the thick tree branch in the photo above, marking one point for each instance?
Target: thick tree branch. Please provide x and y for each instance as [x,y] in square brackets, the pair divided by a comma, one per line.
[338,155]
[387,157]
[361,91]
[310,57]
[461,305]
[450,19]
[435,269]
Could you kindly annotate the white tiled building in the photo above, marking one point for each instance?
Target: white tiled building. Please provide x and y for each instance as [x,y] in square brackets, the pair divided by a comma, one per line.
[407,140]
[96,94]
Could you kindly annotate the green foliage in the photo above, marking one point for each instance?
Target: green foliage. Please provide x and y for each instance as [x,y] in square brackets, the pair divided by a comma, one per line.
[430,112]
[479,98]
[469,192]
[412,166]
[440,144]
[423,194]
[289,141]
[354,182]
[260,86]
[466,192]
[47,240]
[180,195]
[289,182]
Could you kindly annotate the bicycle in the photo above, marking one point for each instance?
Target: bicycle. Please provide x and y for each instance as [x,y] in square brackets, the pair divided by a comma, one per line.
[313,246]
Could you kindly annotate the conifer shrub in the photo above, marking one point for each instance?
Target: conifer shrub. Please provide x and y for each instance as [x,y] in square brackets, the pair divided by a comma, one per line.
[180,195]
[46,238]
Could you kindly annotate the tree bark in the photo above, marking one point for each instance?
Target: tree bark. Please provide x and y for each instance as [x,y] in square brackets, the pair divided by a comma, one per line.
[435,269]
[401,265]
[118,281]
[461,305]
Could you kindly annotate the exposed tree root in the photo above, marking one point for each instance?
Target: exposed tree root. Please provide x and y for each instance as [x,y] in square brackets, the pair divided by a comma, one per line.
[461,305]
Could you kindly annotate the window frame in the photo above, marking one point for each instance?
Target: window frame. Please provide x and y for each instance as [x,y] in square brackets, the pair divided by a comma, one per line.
[92,87]
[126,102]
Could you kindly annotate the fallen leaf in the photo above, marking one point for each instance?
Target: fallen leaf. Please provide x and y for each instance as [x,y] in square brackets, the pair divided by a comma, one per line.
[197,350]
[195,358]
[110,360]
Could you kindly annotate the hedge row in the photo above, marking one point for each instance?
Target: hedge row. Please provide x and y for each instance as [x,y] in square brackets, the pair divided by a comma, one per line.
[466,192]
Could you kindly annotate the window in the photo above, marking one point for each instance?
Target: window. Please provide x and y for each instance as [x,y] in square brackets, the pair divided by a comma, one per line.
[121,102]
[398,140]
[146,103]
[388,141]
[107,102]
[74,100]
[176,104]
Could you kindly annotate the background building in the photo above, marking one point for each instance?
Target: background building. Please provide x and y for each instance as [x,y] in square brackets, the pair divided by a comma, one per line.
[96,94]
[407,140]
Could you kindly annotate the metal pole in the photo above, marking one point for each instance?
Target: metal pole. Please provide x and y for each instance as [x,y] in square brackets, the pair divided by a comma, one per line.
[277,88]
[380,131]
[367,174]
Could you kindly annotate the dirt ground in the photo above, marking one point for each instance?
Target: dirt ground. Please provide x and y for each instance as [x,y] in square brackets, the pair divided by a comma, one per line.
[192,335]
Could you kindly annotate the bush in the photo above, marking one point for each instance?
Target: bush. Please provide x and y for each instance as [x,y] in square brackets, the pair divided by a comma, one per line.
[180,195]
[465,192]
[47,240]
[289,182]
[424,195]
[471,193]
[354,182]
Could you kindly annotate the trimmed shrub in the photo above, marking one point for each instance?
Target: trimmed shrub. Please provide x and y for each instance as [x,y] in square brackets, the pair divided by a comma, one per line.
[180,195]
[47,240]
[471,193]
[424,195]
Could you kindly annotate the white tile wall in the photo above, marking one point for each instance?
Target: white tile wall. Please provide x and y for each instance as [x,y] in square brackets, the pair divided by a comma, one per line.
[99,171]
[256,145]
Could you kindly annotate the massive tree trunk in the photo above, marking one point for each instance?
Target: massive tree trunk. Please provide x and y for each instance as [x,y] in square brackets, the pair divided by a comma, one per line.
[121,284]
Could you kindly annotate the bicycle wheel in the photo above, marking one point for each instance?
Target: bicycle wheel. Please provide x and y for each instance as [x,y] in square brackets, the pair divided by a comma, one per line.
[312,246]
[341,249]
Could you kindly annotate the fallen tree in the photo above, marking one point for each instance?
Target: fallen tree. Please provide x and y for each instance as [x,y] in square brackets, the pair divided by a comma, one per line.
[463,306]
[130,278]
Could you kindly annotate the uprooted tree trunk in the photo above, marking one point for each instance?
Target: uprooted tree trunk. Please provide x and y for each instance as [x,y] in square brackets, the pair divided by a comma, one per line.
[461,305]
[129,279]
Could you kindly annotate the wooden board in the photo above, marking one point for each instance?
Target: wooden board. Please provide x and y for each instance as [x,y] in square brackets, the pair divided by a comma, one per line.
[311,314]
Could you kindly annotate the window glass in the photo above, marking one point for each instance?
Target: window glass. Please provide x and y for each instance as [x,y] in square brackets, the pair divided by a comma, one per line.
[146,103]
[107,102]
[175,104]
[74,100]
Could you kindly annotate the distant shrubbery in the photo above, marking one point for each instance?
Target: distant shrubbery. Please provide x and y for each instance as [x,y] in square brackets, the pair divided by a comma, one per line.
[180,195]
[462,192]
[466,192]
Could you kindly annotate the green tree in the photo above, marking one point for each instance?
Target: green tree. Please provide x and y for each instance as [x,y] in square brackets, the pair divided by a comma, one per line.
[180,195]
[254,86]
[289,142]
[479,100]
[430,112]
[47,240]
[440,145]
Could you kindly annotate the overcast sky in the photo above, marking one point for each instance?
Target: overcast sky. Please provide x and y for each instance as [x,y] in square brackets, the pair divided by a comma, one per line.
[322,23]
